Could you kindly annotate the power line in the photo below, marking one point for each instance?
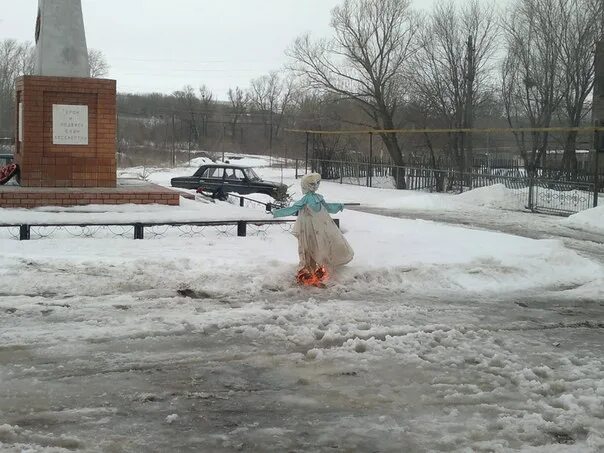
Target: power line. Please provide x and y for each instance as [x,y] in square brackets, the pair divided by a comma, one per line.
[444,131]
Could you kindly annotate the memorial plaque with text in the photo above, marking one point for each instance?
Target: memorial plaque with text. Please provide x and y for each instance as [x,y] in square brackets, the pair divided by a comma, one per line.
[69,124]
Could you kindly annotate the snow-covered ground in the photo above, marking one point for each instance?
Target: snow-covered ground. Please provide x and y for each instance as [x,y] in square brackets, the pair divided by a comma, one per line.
[435,338]
[589,220]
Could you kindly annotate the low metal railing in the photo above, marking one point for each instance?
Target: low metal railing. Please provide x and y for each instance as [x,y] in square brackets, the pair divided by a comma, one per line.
[23,232]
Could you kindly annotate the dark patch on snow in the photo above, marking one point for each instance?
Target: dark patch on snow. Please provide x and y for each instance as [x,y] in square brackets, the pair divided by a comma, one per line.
[54,305]
[193,294]
[562,438]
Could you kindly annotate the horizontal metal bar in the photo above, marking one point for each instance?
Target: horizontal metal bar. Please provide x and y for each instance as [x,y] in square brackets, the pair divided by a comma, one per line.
[151,224]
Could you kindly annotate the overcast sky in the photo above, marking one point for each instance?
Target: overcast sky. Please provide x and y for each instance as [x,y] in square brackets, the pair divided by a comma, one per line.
[154,45]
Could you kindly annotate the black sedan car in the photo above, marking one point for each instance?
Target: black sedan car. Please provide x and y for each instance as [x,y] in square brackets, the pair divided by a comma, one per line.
[230,178]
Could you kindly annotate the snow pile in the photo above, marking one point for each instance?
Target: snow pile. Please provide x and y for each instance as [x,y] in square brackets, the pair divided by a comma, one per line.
[249,160]
[390,254]
[377,182]
[497,196]
[590,220]
[188,211]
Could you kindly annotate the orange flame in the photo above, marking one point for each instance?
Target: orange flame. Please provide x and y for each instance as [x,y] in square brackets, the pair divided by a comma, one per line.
[309,278]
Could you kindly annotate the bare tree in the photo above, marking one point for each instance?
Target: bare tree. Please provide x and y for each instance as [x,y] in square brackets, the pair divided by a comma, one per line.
[16,59]
[285,101]
[97,63]
[206,96]
[323,112]
[187,99]
[207,103]
[187,105]
[367,61]
[578,36]
[239,101]
[532,87]
[271,96]
[454,69]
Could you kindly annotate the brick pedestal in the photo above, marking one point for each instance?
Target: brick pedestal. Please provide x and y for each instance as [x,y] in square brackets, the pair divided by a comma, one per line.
[125,193]
[42,162]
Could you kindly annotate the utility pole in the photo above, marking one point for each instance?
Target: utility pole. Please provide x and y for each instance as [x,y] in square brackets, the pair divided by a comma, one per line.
[598,113]
[173,139]
[191,134]
[270,140]
[468,121]
[306,154]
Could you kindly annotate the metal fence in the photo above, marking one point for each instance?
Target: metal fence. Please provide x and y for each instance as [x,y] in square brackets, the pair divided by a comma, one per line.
[544,191]
[233,228]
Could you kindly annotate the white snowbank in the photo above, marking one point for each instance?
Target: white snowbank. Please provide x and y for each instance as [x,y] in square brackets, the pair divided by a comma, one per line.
[590,220]
[390,254]
[188,211]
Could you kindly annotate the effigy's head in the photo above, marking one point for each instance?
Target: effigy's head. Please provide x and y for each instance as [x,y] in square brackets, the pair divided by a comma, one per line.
[310,182]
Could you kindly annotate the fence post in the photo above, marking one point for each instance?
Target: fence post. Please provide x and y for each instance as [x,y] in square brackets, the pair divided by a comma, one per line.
[139,231]
[242,228]
[24,233]
[306,154]
[397,175]
[598,150]
[296,168]
[531,197]
[241,202]
[370,165]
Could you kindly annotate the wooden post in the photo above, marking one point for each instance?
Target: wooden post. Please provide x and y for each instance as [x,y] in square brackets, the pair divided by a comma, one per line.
[242,228]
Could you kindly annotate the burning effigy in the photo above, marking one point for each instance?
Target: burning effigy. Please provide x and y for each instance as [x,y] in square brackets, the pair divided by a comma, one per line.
[321,245]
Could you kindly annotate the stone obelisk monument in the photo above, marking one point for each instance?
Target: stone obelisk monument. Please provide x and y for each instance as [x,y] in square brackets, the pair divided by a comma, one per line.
[61,49]
[66,120]
[66,124]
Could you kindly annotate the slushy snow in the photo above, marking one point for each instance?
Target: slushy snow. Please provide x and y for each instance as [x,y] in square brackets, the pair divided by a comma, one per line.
[435,337]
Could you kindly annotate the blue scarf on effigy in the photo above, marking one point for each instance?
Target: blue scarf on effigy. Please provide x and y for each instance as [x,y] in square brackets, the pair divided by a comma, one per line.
[312,200]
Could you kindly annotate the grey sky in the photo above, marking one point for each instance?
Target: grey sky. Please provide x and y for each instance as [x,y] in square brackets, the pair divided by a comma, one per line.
[154,45]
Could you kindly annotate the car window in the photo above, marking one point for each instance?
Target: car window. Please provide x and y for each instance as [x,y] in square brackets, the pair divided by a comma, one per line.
[234,174]
[251,174]
[214,173]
